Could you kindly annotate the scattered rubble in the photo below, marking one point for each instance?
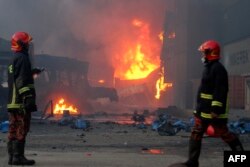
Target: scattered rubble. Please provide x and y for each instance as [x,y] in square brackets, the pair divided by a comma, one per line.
[166,125]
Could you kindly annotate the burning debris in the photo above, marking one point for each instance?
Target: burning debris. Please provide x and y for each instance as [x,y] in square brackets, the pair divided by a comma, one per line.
[61,108]
[152,151]
[160,85]
[137,58]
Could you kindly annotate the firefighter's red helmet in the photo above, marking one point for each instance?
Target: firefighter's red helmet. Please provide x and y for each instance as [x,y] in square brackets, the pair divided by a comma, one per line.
[211,49]
[19,40]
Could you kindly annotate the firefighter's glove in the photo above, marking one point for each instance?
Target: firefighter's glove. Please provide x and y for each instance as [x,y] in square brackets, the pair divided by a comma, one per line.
[29,104]
[197,120]
[36,71]
[214,115]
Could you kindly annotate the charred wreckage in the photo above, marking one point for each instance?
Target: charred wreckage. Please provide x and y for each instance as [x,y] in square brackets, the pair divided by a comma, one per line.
[63,78]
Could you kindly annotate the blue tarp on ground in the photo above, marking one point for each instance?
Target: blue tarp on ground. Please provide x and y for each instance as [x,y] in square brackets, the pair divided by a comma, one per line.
[241,126]
[4,126]
[168,126]
[75,123]
[81,124]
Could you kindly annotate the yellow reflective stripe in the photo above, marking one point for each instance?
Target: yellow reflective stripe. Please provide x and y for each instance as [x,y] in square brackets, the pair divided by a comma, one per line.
[206,96]
[24,89]
[204,115]
[14,105]
[13,101]
[217,103]
[227,106]
[209,116]
[31,86]
[11,69]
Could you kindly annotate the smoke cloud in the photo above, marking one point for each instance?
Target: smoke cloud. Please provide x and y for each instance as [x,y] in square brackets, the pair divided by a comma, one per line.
[82,29]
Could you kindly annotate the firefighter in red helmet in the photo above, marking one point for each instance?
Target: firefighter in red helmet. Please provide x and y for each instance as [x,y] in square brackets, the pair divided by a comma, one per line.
[21,101]
[211,105]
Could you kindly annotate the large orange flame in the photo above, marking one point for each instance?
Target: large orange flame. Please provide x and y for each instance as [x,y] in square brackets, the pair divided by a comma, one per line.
[140,67]
[61,106]
[140,56]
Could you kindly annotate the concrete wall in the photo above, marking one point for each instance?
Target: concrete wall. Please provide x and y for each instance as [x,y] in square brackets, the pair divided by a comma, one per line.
[237,57]
[237,61]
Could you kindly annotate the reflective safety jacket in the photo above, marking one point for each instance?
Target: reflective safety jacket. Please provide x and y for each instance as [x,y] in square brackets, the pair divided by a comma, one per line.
[213,91]
[20,81]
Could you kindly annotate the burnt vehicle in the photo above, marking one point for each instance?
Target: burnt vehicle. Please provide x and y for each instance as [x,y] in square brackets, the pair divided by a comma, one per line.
[67,78]
[63,77]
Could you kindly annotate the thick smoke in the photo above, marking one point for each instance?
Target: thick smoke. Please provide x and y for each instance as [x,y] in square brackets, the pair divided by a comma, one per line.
[82,29]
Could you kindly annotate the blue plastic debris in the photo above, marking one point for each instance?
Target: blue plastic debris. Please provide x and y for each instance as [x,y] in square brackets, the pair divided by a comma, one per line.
[64,121]
[4,126]
[141,126]
[81,124]
[168,126]
[241,126]
[155,125]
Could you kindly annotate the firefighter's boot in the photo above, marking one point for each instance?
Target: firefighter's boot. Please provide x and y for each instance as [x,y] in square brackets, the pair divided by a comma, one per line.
[194,153]
[10,151]
[236,145]
[19,158]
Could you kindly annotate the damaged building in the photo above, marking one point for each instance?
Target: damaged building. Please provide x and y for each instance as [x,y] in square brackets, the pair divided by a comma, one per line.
[186,25]
[190,23]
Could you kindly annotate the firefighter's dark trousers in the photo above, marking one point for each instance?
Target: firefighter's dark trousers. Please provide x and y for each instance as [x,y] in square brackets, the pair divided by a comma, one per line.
[220,130]
[19,125]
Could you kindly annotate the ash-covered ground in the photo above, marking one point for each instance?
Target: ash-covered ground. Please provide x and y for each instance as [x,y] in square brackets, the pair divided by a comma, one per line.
[108,144]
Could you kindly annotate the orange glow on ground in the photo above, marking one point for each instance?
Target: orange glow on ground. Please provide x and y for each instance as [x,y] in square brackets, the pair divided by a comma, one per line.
[153,151]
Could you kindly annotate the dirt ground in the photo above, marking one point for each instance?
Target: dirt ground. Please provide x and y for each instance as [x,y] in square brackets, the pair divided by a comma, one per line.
[112,145]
